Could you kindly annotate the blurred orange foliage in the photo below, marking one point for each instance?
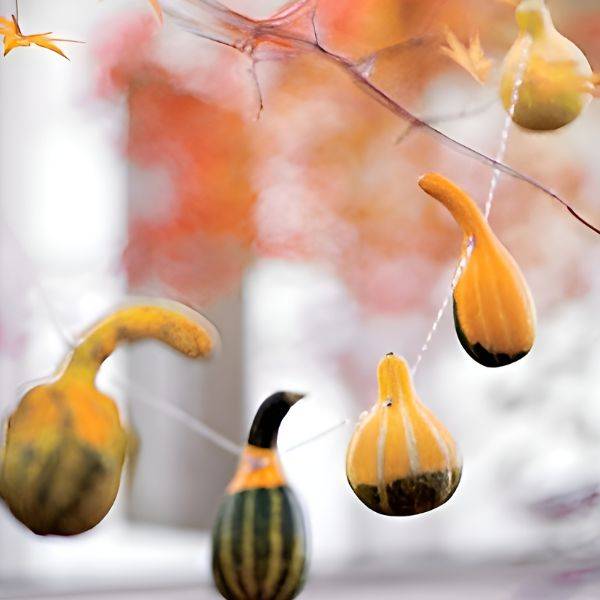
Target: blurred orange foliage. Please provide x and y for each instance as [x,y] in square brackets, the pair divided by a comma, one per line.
[318,177]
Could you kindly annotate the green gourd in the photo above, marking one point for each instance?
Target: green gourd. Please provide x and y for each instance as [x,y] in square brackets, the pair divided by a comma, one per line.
[259,542]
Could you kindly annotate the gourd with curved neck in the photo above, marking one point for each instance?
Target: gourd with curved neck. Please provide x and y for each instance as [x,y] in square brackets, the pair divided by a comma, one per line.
[259,541]
[65,444]
[494,313]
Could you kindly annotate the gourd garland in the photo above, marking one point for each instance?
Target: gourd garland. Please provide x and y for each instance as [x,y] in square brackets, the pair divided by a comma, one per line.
[259,546]
[65,444]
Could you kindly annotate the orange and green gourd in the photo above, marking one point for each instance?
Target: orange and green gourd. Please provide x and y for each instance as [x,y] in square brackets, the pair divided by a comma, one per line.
[65,444]
[557,80]
[494,313]
[259,542]
[401,459]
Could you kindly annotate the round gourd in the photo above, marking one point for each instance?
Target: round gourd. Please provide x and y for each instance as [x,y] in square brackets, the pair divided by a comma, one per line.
[494,313]
[65,445]
[401,460]
[259,542]
[556,76]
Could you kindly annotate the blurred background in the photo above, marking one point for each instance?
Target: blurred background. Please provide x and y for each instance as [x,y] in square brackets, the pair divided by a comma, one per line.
[140,168]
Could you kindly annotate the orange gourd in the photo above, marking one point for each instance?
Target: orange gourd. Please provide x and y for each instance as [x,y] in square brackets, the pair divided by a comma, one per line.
[494,313]
[65,444]
[401,460]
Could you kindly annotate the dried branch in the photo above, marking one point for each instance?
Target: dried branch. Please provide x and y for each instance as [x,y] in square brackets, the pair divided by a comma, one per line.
[463,113]
[259,95]
[292,31]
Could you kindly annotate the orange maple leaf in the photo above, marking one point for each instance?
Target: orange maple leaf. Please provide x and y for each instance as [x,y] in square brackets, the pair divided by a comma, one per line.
[157,9]
[14,38]
[472,59]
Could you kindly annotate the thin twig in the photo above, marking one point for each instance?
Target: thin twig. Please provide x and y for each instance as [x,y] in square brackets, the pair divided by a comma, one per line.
[239,30]
[259,94]
[317,436]
[464,113]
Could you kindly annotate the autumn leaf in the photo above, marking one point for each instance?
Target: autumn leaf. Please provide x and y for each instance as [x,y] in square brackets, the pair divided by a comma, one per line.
[587,84]
[595,80]
[157,9]
[472,59]
[556,77]
[14,38]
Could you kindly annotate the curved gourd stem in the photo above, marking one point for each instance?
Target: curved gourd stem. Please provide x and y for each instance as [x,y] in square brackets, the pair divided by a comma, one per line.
[172,323]
[461,206]
[269,416]
[259,465]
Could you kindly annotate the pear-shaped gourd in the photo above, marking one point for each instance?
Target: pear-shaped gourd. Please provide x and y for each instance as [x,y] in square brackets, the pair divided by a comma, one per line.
[65,444]
[552,75]
[401,460]
[494,313]
[259,545]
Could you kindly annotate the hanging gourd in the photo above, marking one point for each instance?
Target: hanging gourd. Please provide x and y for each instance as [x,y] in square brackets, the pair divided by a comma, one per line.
[494,313]
[548,75]
[65,444]
[259,545]
[401,460]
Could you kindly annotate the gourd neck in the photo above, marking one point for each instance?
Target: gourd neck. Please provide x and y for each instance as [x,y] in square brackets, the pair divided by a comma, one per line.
[460,205]
[533,18]
[265,427]
[395,381]
[185,331]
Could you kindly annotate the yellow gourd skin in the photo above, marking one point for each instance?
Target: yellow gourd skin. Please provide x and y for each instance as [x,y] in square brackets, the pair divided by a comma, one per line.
[65,445]
[401,460]
[557,79]
[494,313]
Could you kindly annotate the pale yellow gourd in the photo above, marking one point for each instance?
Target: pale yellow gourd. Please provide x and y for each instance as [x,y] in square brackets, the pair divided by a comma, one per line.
[556,76]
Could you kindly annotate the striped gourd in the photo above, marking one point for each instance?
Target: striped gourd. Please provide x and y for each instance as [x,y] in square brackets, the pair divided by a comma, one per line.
[65,444]
[556,77]
[401,460]
[494,313]
[259,536]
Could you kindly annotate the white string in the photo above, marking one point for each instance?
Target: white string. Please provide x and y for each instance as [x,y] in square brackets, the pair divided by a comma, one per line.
[176,413]
[462,263]
[464,260]
[317,436]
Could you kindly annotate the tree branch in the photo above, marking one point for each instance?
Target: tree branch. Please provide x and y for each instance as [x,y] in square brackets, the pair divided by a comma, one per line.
[286,33]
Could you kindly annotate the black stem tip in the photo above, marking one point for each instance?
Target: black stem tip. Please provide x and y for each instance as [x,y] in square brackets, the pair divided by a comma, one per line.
[269,416]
